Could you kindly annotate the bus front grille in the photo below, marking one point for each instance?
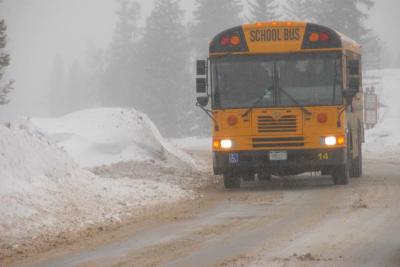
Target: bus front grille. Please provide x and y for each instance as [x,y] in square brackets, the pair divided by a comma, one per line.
[285,124]
[278,142]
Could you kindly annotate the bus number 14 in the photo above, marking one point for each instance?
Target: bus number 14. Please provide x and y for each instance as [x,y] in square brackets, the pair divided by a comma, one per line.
[323,156]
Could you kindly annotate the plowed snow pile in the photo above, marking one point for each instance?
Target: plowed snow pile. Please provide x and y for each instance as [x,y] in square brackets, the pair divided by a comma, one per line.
[110,135]
[44,192]
[384,138]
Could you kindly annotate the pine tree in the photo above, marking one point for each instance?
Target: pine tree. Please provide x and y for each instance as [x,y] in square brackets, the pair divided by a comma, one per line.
[211,17]
[119,87]
[94,66]
[372,52]
[300,10]
[164,60]
[347,17]
[5,86]
[263,10]
[76,97]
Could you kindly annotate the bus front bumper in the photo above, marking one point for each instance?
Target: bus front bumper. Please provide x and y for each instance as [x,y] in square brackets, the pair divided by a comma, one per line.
[290,162]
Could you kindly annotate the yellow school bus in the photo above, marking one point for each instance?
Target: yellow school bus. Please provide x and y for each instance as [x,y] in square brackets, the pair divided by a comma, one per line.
[286,98]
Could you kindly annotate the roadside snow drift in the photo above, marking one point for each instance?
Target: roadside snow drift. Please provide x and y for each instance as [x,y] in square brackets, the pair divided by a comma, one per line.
[384,138]
[110,135]
[43,192]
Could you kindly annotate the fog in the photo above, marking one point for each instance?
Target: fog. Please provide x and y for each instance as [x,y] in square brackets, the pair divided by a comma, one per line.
[39,30]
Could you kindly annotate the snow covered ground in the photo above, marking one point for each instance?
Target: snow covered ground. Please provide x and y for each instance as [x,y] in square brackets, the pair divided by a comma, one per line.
[44,192]
[110,135]
[384,138]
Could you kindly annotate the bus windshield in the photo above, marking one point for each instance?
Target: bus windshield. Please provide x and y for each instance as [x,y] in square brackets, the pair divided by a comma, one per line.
[274,81]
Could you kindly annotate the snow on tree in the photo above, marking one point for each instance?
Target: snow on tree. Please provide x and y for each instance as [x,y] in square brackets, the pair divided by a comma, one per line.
[164,62]
[119,85]
[211,17]
[5,86]
[263,10]
[300,10]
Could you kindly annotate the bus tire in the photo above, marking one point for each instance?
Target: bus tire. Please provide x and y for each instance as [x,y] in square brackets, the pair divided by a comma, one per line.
[356,166]
[231,181]
[340,174]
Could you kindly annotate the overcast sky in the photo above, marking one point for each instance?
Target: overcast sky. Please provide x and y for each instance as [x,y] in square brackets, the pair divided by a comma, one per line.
[40,29]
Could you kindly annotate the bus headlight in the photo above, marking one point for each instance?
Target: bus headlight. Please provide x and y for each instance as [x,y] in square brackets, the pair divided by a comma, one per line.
[330,140]
[226,144]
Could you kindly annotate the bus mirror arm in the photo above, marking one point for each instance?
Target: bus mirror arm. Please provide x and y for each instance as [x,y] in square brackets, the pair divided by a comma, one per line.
[209,114]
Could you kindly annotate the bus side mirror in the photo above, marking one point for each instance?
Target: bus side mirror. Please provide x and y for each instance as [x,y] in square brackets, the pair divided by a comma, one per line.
[201,67]
[354,67]
[354,84]
[201,85]
[202,101]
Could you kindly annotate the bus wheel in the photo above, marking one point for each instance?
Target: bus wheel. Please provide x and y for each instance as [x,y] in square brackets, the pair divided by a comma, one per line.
[231,181]
[340,175]
[356,166]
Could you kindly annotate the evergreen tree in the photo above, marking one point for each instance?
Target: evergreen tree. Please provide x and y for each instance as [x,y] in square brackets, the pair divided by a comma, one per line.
[211,17]
[5,86]
[263,10]
[372,52]
[300,10]
[76,97]
[94,66]
[120,71]
[347,17]
[165,67]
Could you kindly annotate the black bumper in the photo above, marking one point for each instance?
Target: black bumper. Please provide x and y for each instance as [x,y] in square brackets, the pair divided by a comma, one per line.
[298,161]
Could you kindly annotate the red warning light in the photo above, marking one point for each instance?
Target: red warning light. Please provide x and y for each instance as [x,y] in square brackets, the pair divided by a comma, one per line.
[324,37]
[225,40]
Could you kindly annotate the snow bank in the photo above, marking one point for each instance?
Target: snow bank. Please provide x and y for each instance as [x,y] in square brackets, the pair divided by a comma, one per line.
[110,135]
[193,143]
[384,138]
[42,191]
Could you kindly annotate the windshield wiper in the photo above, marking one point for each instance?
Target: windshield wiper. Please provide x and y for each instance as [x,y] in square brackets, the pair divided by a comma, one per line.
[295,101]
[255,104]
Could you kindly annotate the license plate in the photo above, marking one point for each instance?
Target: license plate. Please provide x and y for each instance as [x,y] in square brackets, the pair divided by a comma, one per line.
[278,155]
